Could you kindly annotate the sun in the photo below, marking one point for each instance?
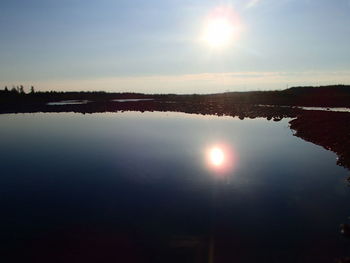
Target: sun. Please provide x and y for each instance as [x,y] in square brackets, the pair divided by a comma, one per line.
[221,27]
[219,32]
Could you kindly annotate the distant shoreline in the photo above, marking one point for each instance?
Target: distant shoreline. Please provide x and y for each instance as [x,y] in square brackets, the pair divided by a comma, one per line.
[323,96]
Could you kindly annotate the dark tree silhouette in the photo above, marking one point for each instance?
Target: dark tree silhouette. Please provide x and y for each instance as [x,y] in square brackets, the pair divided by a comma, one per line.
[6,89]
[32,91]
[14,90]
[21,89]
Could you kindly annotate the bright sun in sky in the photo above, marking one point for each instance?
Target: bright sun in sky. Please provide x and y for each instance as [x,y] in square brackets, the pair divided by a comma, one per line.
[218,32]
[221,27]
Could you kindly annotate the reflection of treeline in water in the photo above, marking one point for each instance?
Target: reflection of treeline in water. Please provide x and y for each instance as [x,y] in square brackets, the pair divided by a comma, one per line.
[324,96]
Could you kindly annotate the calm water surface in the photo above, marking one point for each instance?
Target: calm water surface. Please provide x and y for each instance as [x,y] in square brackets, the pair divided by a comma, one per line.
[140,187]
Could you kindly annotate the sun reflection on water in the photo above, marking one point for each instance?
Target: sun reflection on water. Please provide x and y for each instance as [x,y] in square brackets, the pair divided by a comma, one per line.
[220,158]
[217,156]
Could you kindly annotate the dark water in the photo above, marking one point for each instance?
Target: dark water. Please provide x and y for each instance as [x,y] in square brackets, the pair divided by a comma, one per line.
[138,187]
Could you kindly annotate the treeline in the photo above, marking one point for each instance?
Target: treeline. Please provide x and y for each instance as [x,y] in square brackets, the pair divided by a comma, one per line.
[20,95]
[324,96]
[18,90]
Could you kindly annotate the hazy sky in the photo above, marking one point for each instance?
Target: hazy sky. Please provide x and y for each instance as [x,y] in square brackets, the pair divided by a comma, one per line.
[155,46]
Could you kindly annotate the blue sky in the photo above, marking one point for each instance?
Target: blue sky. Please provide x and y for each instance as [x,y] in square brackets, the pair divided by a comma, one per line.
[153,46]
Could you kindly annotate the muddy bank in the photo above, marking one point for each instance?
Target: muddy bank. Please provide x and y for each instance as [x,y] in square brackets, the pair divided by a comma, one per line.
[328,129]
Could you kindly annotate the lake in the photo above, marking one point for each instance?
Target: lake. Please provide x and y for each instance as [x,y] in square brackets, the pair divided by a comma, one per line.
[166,187]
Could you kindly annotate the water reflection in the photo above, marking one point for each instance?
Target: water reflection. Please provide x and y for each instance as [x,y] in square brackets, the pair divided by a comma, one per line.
[131,100]
[142,188]
[67,102]
[217,156]
[220,158]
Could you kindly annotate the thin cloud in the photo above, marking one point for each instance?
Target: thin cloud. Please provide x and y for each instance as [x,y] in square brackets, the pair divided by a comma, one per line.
[252,3]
